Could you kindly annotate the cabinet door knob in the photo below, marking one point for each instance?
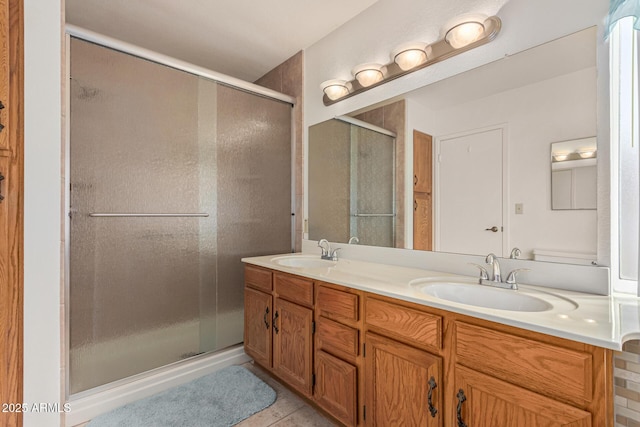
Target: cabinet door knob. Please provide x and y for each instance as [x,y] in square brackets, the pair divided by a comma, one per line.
[432,385]
[461,398]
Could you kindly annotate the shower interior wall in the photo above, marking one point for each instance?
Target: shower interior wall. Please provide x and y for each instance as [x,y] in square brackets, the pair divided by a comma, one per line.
[146,138]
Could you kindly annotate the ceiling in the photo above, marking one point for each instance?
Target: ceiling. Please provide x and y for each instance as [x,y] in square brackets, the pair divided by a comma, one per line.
[241,38]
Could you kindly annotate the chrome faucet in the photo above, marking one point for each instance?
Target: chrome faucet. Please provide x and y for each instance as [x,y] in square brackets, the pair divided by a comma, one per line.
[325,250]
[327,253]
[493,261]
[354,240]
[515,253]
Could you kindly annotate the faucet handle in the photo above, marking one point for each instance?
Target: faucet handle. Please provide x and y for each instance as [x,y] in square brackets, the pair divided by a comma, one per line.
[512,277]
[515,253]
[484,275]
[334,254]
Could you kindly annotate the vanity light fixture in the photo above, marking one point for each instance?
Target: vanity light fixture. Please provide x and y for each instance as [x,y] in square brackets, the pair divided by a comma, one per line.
[335,89]
[561,156]
[368,74]
[465,33]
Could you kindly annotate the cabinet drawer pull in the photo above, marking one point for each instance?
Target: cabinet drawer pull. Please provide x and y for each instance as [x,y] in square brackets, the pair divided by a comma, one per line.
[415,179]
[461,398]
[266,312]
[275,327]
[432,385]
[1,125]
[1,179]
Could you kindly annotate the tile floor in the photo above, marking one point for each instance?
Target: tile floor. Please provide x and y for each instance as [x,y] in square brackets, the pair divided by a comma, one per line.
[288,410]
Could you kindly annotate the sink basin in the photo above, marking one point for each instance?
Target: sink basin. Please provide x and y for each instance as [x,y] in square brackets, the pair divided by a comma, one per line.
[484,296]
[301,261]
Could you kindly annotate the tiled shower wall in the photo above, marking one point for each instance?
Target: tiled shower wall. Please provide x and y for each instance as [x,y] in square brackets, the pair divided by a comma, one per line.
[627,385]
[287,78]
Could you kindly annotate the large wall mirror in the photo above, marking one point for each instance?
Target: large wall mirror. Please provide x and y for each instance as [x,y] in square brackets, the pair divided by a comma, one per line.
[471,172]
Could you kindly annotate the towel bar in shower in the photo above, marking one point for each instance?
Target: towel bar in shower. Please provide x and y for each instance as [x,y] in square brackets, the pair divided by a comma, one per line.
[372,215]
[147,215]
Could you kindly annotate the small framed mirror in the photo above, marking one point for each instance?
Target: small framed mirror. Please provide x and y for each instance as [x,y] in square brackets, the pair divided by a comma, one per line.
[574,174]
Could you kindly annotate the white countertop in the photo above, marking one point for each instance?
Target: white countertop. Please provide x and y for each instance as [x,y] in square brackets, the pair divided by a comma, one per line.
[604,321]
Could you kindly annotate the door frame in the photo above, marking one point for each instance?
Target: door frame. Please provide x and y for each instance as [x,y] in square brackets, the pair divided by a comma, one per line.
[504,128]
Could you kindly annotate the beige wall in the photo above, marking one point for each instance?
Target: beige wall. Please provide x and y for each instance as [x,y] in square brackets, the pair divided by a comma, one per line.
[287,78]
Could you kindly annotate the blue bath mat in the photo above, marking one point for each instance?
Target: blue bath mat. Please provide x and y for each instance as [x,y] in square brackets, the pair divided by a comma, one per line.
[223,398]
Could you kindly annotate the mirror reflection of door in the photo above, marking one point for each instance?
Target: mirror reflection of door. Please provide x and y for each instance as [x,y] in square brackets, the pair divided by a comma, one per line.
[468,193]
[422,191]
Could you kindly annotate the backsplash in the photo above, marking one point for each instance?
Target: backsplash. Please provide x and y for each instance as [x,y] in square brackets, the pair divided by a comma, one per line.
[627,385]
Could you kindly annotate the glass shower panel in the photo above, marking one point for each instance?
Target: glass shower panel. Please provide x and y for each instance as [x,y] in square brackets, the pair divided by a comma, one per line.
[372,187]
[329,177]
[254,193]
[174,178]
[136,282]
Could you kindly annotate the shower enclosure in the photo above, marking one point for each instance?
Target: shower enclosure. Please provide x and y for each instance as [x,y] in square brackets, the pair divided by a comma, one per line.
[352,188]
[173,179]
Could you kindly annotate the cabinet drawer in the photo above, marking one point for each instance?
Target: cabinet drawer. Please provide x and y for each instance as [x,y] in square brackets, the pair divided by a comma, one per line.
[336,304]
[258,278]
[544,368]
[294,288]
[335,336]
[404,323]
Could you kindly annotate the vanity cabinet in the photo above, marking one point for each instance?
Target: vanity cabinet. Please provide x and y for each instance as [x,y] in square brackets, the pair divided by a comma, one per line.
[401,384]
[338,356]
[403,369]
[508,379]
[279,325]
[381,361]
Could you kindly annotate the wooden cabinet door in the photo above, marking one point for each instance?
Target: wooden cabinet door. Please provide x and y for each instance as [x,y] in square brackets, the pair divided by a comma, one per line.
[336,387]
[292,344]
[422,222]
[402,384]
[258,317]
[489,402]
[4,73]
[422,162]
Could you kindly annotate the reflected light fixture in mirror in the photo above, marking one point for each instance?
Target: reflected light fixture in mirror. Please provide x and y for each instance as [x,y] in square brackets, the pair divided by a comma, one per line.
[334,88]
[586,153]
[410,55]
[368,74]
[465,33]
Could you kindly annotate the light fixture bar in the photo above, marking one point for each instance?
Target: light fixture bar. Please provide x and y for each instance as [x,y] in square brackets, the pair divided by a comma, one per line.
[439,51]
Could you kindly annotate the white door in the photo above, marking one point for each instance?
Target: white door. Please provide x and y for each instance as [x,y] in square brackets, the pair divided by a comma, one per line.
[468,193]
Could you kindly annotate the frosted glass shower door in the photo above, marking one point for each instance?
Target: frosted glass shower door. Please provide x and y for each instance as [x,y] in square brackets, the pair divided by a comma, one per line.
[173,179]
[372,187]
